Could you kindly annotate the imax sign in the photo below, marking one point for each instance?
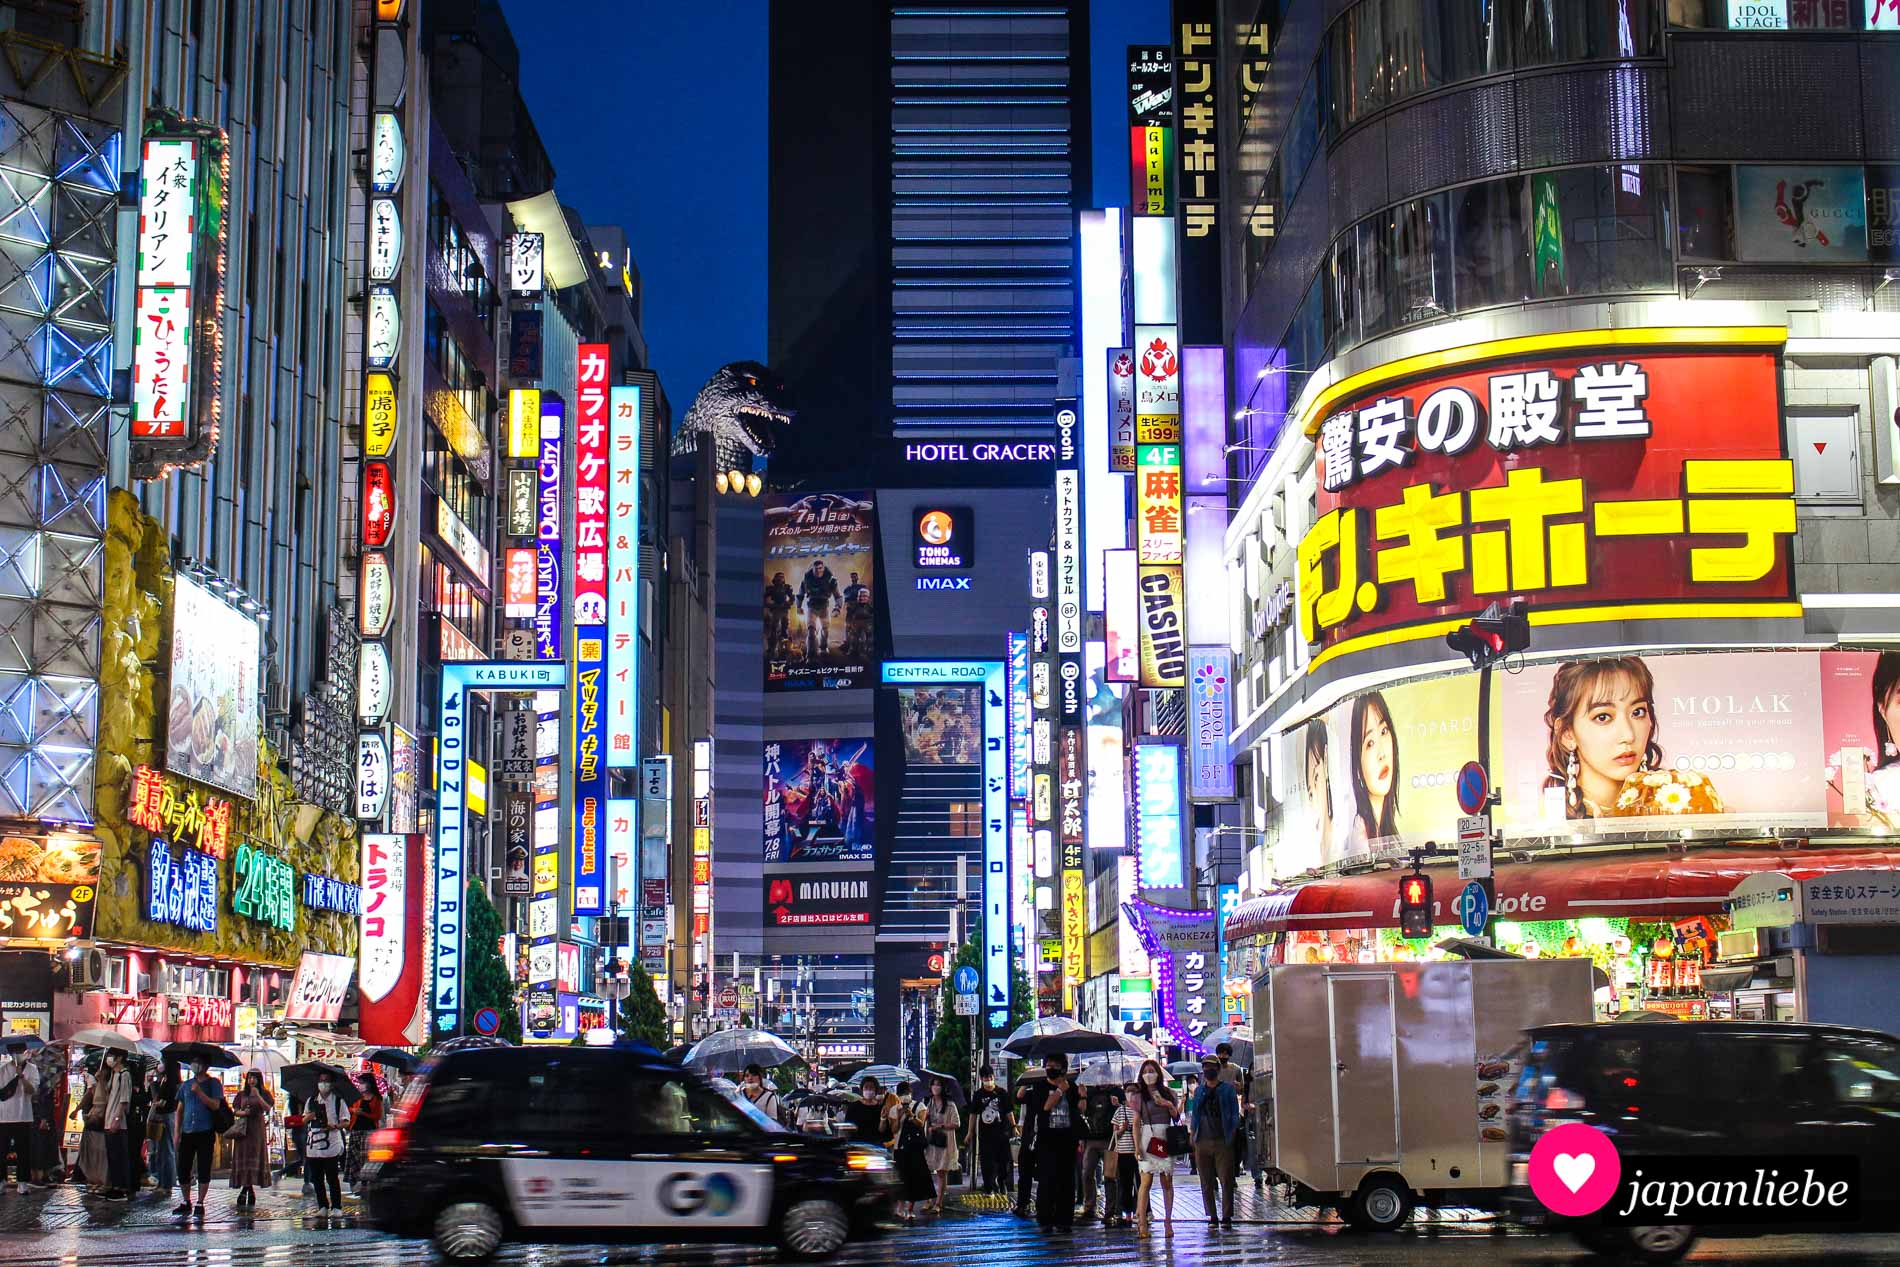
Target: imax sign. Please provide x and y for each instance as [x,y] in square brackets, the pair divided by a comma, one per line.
[943,582]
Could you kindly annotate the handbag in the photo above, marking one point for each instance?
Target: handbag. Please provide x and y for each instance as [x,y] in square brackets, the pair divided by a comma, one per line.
[222,1117]
[1179,1143]
[1158,1146]
[239,1129]
[940,1139]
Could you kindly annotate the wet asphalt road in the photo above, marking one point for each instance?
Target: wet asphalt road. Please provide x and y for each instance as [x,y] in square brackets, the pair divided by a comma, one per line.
[993,1240]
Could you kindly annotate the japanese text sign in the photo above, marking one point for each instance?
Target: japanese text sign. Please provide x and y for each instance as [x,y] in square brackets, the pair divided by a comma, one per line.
[1158,505]
[165,807]
[1628,480]
[623,578]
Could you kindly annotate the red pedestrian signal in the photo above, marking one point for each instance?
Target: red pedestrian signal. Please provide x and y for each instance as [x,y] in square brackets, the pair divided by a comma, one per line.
[1415,905]
[1492,636]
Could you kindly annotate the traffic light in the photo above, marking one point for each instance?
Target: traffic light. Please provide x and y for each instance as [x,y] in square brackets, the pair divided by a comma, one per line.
[1493,634]
[1415,905]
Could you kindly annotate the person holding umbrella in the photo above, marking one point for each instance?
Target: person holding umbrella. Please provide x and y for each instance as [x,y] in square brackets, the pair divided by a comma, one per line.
[366,1114]
[201,1110]
[943,1122]
[114,1105]
[328,1116]
[250,1152]
[1057,1107]
[19,1084]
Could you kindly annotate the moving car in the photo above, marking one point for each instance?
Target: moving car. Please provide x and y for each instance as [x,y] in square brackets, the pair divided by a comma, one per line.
[606,1144]
[1717,1089]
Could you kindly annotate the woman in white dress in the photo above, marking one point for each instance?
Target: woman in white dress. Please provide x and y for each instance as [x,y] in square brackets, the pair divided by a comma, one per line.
[1155,1110]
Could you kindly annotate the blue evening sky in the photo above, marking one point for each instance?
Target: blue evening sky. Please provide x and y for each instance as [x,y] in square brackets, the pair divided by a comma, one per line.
[656,122]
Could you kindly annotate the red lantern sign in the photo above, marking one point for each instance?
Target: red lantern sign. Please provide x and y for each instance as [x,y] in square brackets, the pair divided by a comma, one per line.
[379,504]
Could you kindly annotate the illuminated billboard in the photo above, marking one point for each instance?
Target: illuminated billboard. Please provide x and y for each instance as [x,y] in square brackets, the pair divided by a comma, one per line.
[1158,504]
[1121,616]
[549,624]
[1107,777]
[589,608]
[1157,385]
[1610,476]
[1210,674]
[1159,859]
[623,578]
[820,801]
[988,675]
[819,604]
[177,359]
[1163,627]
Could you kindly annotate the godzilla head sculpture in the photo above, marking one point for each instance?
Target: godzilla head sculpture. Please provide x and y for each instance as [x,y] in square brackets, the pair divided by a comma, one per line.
[739,407]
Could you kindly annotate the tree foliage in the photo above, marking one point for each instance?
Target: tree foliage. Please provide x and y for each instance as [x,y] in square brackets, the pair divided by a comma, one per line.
[641,1014]
[490,983]
[950,1046]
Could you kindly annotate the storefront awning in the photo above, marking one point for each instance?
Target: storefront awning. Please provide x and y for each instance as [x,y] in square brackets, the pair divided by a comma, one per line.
[1651,885]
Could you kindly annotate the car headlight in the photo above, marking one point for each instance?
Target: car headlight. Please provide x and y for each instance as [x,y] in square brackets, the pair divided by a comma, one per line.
[865,1159]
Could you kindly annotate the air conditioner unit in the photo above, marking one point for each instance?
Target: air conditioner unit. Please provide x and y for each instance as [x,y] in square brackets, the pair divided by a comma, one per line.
[145,983]
[88,972]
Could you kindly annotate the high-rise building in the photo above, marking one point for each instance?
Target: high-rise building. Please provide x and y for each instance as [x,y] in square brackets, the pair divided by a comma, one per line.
[926,164]
[926,161]
[1628,267]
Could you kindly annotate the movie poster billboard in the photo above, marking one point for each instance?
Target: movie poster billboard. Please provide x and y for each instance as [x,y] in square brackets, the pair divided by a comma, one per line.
[818,591]
[942,724]
[1813,215]
[212,732]
[1597,745]
[820,800]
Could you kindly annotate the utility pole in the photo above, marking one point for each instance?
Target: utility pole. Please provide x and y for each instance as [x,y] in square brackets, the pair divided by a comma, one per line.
[1494,634]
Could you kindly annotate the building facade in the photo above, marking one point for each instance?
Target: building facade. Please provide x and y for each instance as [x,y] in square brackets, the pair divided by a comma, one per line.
[1566,308]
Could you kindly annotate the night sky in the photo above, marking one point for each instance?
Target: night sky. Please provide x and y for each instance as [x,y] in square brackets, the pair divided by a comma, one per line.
[656,122]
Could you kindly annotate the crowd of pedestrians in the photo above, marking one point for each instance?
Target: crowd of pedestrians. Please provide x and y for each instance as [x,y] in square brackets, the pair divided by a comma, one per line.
[160,1129]
[1059,1150]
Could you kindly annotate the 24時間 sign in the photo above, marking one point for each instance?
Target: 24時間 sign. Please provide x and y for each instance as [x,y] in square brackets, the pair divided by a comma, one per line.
[1645,482]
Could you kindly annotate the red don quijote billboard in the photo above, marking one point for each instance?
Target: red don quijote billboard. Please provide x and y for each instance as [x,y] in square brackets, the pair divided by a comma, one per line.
[1647,482]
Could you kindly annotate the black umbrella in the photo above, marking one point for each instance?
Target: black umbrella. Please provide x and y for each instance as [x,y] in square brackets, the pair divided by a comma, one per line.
[191,1053]
[398,1060]
[300,1081]
[1075,1042]
[952,1088]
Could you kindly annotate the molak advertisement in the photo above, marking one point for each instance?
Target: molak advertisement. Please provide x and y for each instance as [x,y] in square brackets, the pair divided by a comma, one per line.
[1643,483]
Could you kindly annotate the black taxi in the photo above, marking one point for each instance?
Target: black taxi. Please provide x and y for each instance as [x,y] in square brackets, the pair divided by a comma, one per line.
[600,1144]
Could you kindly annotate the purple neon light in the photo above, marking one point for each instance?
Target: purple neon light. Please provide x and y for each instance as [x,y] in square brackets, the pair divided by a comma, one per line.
[1204,420]
[1137,911]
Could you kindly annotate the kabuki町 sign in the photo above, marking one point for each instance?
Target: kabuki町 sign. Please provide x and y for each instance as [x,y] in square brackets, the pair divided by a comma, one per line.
[1649,482]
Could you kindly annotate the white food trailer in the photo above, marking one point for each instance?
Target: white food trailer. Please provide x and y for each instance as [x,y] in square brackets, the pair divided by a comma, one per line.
[1391,1080]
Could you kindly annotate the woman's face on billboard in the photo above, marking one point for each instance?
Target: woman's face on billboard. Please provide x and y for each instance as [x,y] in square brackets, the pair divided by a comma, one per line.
[1318,787]
[1610,732]
[1890,713]
[1375,754]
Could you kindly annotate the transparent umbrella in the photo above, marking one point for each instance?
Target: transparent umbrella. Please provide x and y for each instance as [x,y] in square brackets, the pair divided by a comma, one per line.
[1239,1037]
[1042,1025]
[888,1076]
[109,1039]
[1110,1071]
[264,1058]
[730,1050]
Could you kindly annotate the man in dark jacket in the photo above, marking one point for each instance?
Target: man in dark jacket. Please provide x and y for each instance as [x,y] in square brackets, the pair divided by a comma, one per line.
[1213,1117]
[1057,1108]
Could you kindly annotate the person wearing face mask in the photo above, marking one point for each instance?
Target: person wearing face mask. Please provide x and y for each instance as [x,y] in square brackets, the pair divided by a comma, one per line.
[1122,1167]
[198,1107]
[161,1128]
[250,1152]
[1155,1110]
[118,1097]
[1214,1117]
[93,1166]
[865,1115]
[1058,1111]
[944,1123]
[992,1120]
[896,1111]
[329,1118]
[19,1084]
[762,1096]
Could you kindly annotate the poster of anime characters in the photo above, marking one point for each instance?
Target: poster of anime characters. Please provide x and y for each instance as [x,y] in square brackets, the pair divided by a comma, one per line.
[818,597]
[820,800]
[941,725]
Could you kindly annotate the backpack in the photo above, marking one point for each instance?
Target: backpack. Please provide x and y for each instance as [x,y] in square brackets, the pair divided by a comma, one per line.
[1097,1114]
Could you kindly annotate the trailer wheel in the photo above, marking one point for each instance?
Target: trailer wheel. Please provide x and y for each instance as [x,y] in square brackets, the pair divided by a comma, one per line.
[1382,1204]
[1663,1243]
